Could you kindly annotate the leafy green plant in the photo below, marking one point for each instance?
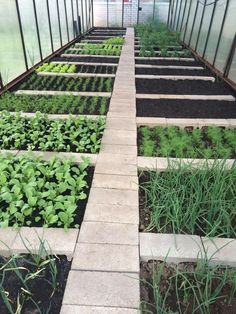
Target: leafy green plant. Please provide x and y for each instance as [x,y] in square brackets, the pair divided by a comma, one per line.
[208,142]
[41,193]
[61,104]
[57,68]
[39,133]
[193,201]
[35,82]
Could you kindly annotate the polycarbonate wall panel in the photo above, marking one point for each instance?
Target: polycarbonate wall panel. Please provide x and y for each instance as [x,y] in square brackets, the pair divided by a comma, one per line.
[196,25]
[209,30]
[215,30]
[190,21]
[43,23]
[54,24]
[30,31]
[100,13]
[161,11]
[227,36]
[204,29]
[11,53]
[115,13]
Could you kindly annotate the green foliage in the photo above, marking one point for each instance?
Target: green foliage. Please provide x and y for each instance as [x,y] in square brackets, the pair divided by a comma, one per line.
[60,83]
[20,275]
[78,134]
[114,41]
[193,201]
[61,104]
[209,142]
[106,49]
[57,68]
[43,192]
[190,288]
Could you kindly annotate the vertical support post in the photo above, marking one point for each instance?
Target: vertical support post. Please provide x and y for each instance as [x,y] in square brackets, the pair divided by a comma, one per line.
[50,25]
[86,15]
[21,34]
[154,7]
[78,17]
[138,12]
[59,22]
[37,30]
[107,13]
[67,27]
[230,57]
[200,26]
[194,20]
[180,9]
[79,24]
[1,82]
[89,15]
[73,20]
[175,12]
[221,31]
[82,15]
[92,14]
[209,29]
[181,25]
[122,16]
[186,26]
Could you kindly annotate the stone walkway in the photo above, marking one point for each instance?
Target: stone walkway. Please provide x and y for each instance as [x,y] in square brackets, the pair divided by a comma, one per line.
[104,277]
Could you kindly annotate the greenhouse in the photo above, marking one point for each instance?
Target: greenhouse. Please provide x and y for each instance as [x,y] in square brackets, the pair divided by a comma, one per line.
[117,156]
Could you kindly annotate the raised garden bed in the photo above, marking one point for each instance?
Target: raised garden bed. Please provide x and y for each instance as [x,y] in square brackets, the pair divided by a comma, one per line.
[50,83]
[81,135]
[163,53]
[168,62]
[185,72]
[32,283]
[87,59]
[55,104]
[95,51]
[184,200]
[182,87]
[39,193]
[73,68]
[187,288]
[184,108]
[207,142]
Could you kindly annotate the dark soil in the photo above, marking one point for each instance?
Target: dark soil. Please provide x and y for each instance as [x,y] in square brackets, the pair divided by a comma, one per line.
[182,87]
[42,291]
[168,62]
[144,213]
[96,69]
[110,28]
[104,33]
[149,269]
[170,108]
[150,71]
[87,59]
[98,37]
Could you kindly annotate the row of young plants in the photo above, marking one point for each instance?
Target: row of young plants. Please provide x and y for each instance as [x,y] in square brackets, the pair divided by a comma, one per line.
[172,141]
[75,134]
[33,282]
[60,83]
[58,104]
[72,68]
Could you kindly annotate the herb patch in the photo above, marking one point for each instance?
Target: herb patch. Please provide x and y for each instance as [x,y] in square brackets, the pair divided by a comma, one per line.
[184,200]
[186,108]
[96,49]
[187,288]
[80,134]
[208,142]
[32,283]
[164,52]
[60,104]
[168,62]
[34,192]
[67,68]
[57,83]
